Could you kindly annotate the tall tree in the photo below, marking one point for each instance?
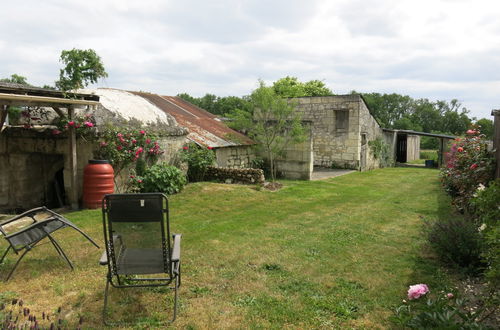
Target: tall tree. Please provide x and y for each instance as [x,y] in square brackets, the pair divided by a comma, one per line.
[16,79]
[292,87]
[82,67]
[272,122]
[486,127]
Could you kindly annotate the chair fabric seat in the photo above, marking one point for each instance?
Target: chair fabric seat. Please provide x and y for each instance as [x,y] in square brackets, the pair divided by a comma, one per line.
[140,262]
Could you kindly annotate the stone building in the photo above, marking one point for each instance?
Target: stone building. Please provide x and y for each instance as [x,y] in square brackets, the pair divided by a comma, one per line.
[339,131]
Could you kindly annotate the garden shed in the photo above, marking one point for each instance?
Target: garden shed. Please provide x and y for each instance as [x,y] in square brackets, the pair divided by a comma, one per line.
[232,149]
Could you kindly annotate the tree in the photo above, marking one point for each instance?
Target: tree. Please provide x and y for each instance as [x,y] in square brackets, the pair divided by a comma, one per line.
[82,67]
[272,122]
[292,87]
[486,127]
[16,79]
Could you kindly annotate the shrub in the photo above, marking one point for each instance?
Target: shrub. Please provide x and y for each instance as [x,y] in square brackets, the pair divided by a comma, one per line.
[429,154]
[456,241]
[469,163]
[198,160]
[486,205]
[381,151]
[162,178]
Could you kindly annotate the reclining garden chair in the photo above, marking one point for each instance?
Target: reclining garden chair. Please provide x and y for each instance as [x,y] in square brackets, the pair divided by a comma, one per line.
[25,231]
[140,252]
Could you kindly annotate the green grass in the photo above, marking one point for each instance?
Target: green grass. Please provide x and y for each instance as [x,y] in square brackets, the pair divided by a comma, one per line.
[334,253]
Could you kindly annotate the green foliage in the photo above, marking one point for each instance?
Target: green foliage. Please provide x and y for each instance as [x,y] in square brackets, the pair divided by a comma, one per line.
[292,87]
[16,79]
[469,164]
[486,127]
[198,160]
[429,154]
[221,106]
[271,122]
[456,241]
[163,178]
[82,67]
[381,151]
[84,126]
[439,312]
[486,206]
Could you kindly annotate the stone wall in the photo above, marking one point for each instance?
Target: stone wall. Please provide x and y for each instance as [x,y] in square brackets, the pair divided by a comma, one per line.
[369,130]
[235,156]
[235,175]
[30,161]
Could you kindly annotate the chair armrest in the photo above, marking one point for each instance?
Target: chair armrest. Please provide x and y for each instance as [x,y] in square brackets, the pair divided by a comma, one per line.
[176,250]
[104,257]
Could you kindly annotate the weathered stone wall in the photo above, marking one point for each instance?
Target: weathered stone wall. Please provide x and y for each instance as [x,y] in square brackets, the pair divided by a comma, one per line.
[298,160]
[338,123]
[235,157]
[29,161]
[235,175]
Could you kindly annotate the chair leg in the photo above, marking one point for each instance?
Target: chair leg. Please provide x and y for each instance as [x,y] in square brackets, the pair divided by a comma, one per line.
[176,287]
[17,263]
[6,251]
[60,251]
[105,308]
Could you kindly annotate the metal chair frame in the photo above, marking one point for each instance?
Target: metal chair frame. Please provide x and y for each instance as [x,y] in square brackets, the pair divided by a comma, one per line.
[28,237]
[135,205]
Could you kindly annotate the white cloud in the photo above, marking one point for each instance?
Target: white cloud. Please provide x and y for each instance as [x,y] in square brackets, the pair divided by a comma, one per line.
[427,48]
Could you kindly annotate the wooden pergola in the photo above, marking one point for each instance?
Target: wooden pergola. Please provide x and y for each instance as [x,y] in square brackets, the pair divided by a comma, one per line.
[24,96]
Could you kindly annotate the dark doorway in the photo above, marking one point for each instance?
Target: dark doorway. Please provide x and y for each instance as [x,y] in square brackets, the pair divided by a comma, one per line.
[401,148]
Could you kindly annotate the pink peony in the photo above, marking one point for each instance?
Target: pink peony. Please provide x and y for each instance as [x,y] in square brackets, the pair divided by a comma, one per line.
[417,290]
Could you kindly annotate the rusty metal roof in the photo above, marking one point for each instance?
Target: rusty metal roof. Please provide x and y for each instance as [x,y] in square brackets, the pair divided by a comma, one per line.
[204,127]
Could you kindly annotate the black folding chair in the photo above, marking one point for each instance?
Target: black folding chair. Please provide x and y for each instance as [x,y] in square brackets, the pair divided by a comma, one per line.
[25,231]
[140,252]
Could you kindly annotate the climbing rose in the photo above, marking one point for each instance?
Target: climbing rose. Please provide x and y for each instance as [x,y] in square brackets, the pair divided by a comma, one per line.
[56,132]
[449,295]
[185,148]
[473,166]
[209,148]
[417,290]
[460,149]
[471,131]
[142,132]
[88,124]
[71,123]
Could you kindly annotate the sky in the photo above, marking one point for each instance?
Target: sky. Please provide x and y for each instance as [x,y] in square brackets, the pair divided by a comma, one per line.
[435,49]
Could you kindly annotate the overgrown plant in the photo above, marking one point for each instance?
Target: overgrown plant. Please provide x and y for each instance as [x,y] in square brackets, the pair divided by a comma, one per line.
[469,163]
[198,160]
[381,151]
[272,122]
[163,178]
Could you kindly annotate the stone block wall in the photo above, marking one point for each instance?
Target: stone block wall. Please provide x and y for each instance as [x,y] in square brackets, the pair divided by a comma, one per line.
[235,175]
[235,156]
[369,130]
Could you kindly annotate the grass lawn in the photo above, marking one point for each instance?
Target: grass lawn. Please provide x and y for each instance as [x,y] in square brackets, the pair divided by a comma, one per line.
[338,253]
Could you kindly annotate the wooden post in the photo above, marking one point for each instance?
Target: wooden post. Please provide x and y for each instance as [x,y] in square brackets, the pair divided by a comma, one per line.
[3,115]
[441,152]
[496,139]
[73,168]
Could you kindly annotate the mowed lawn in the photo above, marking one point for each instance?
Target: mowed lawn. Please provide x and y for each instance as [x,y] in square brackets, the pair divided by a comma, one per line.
[337,253]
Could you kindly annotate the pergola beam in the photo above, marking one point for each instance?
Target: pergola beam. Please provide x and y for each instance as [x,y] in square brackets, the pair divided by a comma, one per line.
[42,101]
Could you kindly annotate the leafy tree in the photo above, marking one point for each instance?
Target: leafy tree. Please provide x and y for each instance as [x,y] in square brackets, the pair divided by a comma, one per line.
[486,127]
[16,79]
[292,87]
[82,67]
[272,122]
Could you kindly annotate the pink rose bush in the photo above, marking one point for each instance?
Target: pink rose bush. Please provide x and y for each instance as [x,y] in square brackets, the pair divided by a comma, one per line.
[418,290]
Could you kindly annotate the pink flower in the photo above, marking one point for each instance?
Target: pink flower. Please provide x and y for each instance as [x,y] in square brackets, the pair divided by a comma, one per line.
[134,141]
[449,295]
[88,124]
[119,134]
[185,148]
[148,141]
[132,176]
[56,132]
[473,166]
[103,144]
[71,123]
[209,148]
[460,149]
[139,181]
[139,151]
[119,148]
[142,132]
[471,132]
[417,290]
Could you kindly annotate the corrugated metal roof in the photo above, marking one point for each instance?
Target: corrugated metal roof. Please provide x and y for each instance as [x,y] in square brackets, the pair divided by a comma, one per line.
[204,127]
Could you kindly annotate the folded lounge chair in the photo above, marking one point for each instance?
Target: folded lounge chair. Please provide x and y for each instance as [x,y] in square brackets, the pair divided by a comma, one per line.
[25,231]
[140,251]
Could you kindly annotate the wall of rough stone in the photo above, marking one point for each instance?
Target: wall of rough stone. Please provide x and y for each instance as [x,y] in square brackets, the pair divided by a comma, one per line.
[235,157]
[338,123]
[235,175]
[29,160]
[297,164]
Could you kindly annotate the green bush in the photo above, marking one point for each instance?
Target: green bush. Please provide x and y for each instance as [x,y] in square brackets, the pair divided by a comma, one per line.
[163,178]
[381,151]
[486,205]
[198,160]
[456,241]
[429,154]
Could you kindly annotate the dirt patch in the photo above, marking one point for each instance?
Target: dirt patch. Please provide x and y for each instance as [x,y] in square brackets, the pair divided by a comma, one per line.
[272,186]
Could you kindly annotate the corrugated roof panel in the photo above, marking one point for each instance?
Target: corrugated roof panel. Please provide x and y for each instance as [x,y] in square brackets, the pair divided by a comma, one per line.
[203,126]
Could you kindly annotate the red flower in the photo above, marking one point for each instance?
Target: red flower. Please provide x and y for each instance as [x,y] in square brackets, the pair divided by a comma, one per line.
[71,123]
[471,131]
[88,124]
[134,141]
[119,148]
[119,134]
[473,166]
[185,148]
[139,181]
[139,151]
[209,148]
[142,132]
[132,176]
[460,149]
[148,141]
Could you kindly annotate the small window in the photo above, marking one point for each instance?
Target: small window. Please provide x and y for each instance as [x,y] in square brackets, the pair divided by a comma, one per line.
[363,139]
[341,121]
